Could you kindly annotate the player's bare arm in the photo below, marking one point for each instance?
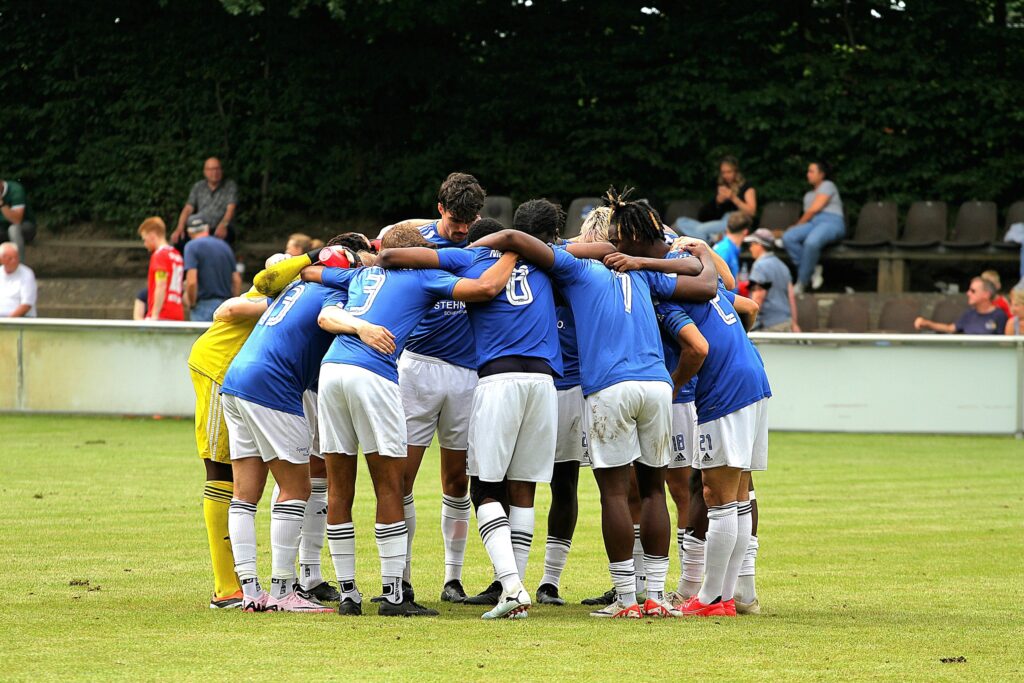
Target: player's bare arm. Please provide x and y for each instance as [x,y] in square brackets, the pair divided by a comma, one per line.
[693,349]
[159,294]
[677,266]
[527,246]
[702,287]
[747,310]
[490,283]
[240,308]
[409,257]
[591,250]
[720,264]
[337,320]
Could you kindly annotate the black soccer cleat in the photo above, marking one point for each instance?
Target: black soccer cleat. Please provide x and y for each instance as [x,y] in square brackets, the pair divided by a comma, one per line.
[606,599]
[324,592]
[406,608]
[547,594]
[489,596]
[407,591]
[453,592]
[350,608]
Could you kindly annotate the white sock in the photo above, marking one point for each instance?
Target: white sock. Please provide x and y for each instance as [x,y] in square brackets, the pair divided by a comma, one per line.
[624,580]
[746,591]
[454,530]
[693,564]
[638,560]
[285,528]
[721,539]
[496,533]
[556,554]
[392,540]
[739,551]
[341,539]
[242,530]
[521,522]
[311,541]
[409,509]
[657,569]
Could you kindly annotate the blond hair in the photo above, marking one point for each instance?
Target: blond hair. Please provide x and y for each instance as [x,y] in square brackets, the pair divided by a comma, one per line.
[303,241]
[739,181]
[1017,296]
[595,225]
[404,236]
[153,224]
[993,277]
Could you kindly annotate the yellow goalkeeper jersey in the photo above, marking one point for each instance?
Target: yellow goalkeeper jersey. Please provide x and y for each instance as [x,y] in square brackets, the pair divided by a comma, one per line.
[213,352]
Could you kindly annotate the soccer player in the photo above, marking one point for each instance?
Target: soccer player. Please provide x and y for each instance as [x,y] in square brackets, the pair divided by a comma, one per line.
[166,272]
[360,404]
[437,376]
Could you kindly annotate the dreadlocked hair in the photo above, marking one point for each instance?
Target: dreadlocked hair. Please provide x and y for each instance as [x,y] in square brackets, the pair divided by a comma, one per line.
[356,241]
[635,220]
[540,218]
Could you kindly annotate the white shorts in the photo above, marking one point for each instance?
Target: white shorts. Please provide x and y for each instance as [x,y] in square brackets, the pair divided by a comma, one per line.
[571,438]
[737,440]
[437,397]
[309,408]
[356,408]
[512,433]
[258,431]
[684,434]
[630,422]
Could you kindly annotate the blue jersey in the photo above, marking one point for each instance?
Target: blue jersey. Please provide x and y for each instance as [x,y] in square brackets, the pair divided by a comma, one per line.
[396,299]
[281,358]
[444,332]
[730,253]
[672,318]
[616,329]
[567,340]
[733,375]
[518,322]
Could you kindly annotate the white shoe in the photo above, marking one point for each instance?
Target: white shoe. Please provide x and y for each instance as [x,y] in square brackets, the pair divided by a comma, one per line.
[258,603]
[817,279]
[798,289]
[753,607]
[295,601]
[513,605]
[617,610]
[660,608]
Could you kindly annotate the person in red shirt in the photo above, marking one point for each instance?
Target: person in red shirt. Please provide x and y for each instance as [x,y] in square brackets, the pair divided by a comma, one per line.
[166,270]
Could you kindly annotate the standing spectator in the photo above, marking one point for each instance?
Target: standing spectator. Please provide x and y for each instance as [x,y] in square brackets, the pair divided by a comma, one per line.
[210,275]
[1000,301]
[16,215]
[1017,309]
[734,194]
[737,228]
[821,224]
[17,285]
[298,244]
[216,199]
[166,272]
[771,286]
[983,316]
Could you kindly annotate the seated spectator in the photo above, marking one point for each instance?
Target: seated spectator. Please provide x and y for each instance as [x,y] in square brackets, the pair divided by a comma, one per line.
[771,286]
[997,282]
[216,199]
[737,228]
[1017,309]
[139,304]
[734,194]
[983,316]
[17,284]
[210,274]
[298,244]
[821,224]
[16,215]
[166,273]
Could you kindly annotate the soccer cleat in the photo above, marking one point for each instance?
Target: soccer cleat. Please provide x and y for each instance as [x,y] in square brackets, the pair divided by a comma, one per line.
[659,608]
[233,601]
[547,594]
[729,607]
[297,601]
[350,608]
[407,591]
[695,608]
[753,607]
[406,608]
[606,599]
[510,606]
[259,603]
[616,610]
[489,596]
[453,592]
[676,599]
[324,592]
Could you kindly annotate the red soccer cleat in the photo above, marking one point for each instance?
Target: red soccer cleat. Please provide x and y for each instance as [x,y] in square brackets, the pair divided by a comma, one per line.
[730,607]
[695,608]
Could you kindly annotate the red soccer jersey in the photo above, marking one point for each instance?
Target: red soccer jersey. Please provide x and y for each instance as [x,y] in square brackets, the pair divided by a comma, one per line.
[168,261]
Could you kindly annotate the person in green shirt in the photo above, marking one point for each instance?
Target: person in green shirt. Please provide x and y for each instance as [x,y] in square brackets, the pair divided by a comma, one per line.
[16,215]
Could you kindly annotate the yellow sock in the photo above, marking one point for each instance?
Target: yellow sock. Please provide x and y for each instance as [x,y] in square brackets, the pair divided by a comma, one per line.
[216,499]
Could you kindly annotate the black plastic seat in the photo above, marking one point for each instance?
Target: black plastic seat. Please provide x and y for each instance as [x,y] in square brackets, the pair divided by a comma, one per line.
[925,226]
[1015,214]
[898,316]
[499,208]
[877,225]
[848,314]
[578,210]
[948,311]
[777,216]
[807,313]
[975,226]
[681,208]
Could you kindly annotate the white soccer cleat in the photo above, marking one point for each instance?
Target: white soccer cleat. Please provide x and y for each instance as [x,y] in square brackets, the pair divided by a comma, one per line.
[753,607]
[659,608]
[259,603]
[296,602]
[617,610]
[514,605]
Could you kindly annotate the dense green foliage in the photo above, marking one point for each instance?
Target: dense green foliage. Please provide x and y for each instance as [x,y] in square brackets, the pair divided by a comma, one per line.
[357,109]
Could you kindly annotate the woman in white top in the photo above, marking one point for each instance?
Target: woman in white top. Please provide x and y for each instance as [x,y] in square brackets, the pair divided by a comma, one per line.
[821,224]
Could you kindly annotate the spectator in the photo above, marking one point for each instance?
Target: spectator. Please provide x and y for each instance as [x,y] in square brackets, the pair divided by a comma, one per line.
[771,286]
[1000,300]
[734,194]
[737,228]
[166,272]
[17,284]
[210,275]
[216,199]
[139,304]
[1017,309]
[821,224]
[298,244]
[983,316]
[16,215]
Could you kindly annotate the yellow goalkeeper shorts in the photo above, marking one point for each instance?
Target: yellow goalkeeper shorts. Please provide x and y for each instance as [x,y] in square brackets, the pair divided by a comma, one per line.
[211,432]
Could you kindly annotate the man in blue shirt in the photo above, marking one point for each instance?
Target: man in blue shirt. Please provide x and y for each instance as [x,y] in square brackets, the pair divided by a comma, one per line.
[210,273]
[737,228]
[360,402]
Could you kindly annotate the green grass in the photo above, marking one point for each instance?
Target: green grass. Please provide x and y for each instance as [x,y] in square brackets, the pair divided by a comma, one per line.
[880,555]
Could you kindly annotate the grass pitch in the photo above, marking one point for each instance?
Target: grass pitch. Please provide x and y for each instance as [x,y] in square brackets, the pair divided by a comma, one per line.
[881,556]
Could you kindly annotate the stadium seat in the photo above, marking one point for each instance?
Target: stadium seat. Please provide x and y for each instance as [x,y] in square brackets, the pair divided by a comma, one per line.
[807,313]
[948,311]
[777,216]
[579,209]
[975,226]
[1015,214]
[898,316]
[848,314]
[680,208]
[925,226]
[499,208]
[877,225]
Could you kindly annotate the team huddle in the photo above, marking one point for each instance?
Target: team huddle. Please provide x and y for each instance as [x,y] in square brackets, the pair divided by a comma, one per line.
[529,357]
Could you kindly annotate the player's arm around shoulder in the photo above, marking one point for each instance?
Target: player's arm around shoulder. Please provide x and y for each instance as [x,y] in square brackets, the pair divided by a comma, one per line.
[747,309]
[490,283]
[410,257]
[527,246]
[693,350]
[241,308]
[337,320]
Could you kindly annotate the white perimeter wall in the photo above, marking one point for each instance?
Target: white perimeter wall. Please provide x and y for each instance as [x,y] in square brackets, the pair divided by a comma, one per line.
[821,382]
